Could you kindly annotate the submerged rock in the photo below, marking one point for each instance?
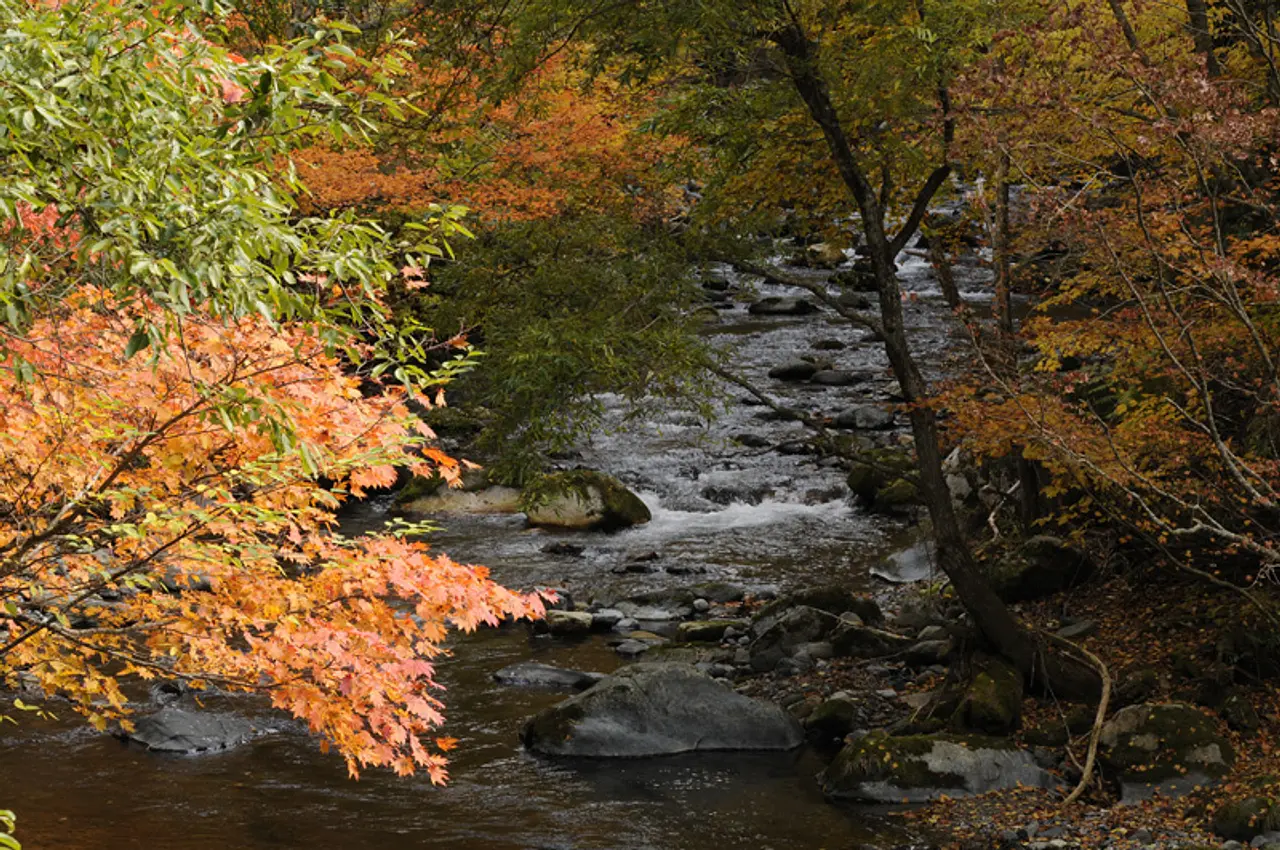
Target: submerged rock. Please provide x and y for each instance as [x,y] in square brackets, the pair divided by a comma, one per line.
[587,501]
[531,674]
[794,370]
[659,709]
[882,769]
[776,306]
[173,729]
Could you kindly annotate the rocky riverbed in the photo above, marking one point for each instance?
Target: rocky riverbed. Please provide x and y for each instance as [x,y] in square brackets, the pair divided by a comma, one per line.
[722,667]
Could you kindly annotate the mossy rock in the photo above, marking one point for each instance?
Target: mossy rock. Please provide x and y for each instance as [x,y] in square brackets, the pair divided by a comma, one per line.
[585,500]
[831,720]
[882,479]
[897,495]
[992,702]
[863,482]
[1044,565]
[423,486]
[916,768]
[1247,818]
[707,631]
[1151,743]
[456,421]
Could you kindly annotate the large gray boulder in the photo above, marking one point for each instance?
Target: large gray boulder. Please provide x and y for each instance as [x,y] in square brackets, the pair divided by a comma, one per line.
[174,729]
[1148,745]
[659,709]
[882,769]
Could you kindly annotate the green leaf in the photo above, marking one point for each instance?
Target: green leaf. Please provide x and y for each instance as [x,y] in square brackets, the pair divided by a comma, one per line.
[137,342]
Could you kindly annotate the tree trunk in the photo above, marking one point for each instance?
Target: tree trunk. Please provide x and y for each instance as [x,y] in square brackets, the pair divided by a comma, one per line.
[1198,21]
[1007,351]
[941,262]
[990,613]
[1000,250]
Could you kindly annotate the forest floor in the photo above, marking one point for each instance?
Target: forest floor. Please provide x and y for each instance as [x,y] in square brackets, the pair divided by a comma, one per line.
[1163,640]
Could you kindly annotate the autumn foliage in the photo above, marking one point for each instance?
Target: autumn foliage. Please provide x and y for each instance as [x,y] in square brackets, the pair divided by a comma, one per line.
[191,389]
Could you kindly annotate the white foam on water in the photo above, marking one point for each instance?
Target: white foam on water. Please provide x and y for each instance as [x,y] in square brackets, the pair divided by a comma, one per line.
[669,524]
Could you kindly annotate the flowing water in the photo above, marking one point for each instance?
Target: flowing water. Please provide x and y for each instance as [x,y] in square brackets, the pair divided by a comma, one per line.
[756,517]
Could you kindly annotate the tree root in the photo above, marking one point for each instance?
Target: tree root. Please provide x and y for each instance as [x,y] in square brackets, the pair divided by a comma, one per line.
[1099,718]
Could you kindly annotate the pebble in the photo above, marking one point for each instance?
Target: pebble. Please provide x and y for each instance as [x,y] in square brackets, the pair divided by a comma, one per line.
[701,606]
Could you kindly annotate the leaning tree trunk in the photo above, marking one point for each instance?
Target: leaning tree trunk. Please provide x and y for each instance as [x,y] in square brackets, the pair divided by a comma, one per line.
[1198,21]
[987,609]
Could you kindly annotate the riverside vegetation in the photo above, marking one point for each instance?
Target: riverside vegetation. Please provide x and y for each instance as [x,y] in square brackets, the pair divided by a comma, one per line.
[247,246]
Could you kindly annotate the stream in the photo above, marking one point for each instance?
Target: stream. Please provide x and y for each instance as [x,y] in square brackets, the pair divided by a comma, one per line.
[756,517]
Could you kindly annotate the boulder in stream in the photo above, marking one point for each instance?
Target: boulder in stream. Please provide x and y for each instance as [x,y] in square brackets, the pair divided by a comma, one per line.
[864,417]
[586,500]
[659,709]
[794,370]
[531,674]
[776,306]
[568,622]
[174,729]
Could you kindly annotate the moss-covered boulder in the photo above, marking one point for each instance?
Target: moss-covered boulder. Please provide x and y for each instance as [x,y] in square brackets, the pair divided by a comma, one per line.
[586,500]
[1042,566]
[992,701]
[1246,818]
[1150,743]
[883,480]
[884,769]
[831,720]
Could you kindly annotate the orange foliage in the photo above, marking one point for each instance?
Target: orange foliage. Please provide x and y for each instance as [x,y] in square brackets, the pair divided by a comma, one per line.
[219,463]
[557,147]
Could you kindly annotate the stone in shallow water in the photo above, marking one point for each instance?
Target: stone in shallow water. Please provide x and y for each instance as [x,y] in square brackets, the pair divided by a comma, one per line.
[778,306]
[179,730]
[659,709]
[530,674]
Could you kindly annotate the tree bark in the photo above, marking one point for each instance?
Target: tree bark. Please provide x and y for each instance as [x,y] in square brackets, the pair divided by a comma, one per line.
[989,613]
[941,262]
[1198,21]
[1000,250]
